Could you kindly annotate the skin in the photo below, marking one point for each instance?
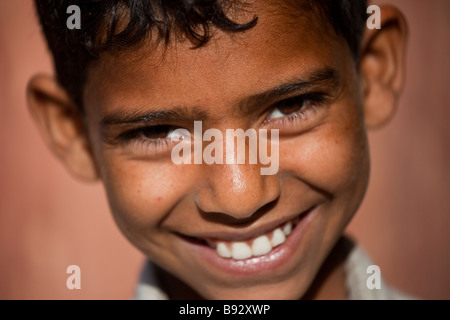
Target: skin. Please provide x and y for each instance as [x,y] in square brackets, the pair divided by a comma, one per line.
[324,155]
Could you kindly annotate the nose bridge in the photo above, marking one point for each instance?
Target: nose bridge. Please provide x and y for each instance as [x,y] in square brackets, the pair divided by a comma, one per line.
[237,190]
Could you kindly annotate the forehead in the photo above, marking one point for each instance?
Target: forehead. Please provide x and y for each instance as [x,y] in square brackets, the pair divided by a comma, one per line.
[281,46]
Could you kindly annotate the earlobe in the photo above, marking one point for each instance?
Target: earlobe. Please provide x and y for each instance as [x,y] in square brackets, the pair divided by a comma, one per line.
[382,65]
[60,124]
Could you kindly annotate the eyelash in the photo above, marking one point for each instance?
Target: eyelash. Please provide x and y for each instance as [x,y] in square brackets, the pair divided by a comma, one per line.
[156,146]
[317,101]
[136,139]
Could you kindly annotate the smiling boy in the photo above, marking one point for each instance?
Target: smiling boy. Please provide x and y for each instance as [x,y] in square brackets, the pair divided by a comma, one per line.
[137,71]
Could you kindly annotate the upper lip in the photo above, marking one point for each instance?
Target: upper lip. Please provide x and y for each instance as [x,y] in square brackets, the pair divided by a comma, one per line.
[239,235]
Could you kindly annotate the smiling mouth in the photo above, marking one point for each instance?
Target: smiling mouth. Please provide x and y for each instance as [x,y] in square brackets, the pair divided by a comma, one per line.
[257,246]
[254,247]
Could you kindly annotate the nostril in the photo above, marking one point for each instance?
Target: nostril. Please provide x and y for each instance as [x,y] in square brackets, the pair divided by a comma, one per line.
[241,219]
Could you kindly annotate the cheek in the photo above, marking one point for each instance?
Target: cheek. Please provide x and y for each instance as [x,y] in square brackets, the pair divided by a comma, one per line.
[334,158]
[141,193]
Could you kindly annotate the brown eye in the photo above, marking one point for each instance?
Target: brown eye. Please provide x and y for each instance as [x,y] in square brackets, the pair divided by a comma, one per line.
[156,132]
[148,133]
[294,105]
[287,107]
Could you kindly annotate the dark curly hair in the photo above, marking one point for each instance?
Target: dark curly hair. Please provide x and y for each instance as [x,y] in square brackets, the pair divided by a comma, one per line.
[118,24]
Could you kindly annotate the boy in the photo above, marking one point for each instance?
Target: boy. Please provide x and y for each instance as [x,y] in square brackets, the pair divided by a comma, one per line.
[139,76]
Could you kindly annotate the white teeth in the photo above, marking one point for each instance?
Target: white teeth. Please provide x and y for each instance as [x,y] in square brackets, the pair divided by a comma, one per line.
[223,251]
[261,246]
[287,228]
[240,251]
[278,237]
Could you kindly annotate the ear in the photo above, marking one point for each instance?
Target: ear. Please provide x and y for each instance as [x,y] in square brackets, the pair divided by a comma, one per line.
[61,126]
[382,65]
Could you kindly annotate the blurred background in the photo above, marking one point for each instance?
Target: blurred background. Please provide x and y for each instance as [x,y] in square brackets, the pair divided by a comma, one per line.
[48,220]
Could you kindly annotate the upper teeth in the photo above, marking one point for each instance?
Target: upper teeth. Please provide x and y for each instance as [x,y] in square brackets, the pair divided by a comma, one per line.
[258,246]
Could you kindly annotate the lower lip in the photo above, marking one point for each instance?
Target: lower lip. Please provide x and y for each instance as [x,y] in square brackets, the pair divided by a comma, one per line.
[278,257]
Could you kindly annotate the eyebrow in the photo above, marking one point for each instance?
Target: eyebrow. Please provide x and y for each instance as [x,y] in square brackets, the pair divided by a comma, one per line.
[318,77]
[323,76]
[158,116]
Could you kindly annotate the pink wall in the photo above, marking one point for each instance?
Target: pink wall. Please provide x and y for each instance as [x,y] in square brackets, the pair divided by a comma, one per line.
[49,221]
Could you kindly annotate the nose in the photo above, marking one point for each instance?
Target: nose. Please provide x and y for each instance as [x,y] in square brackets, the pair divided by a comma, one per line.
[237,191]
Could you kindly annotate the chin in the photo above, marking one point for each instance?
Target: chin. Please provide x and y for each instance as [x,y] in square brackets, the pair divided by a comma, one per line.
[274,291]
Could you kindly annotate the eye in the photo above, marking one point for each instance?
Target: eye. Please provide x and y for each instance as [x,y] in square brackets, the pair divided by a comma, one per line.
[159,132]
[291,106]
[156,132]
[298,114]
[152,141]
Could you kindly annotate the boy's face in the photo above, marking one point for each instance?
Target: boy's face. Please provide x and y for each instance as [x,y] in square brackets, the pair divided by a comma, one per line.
[170,212]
